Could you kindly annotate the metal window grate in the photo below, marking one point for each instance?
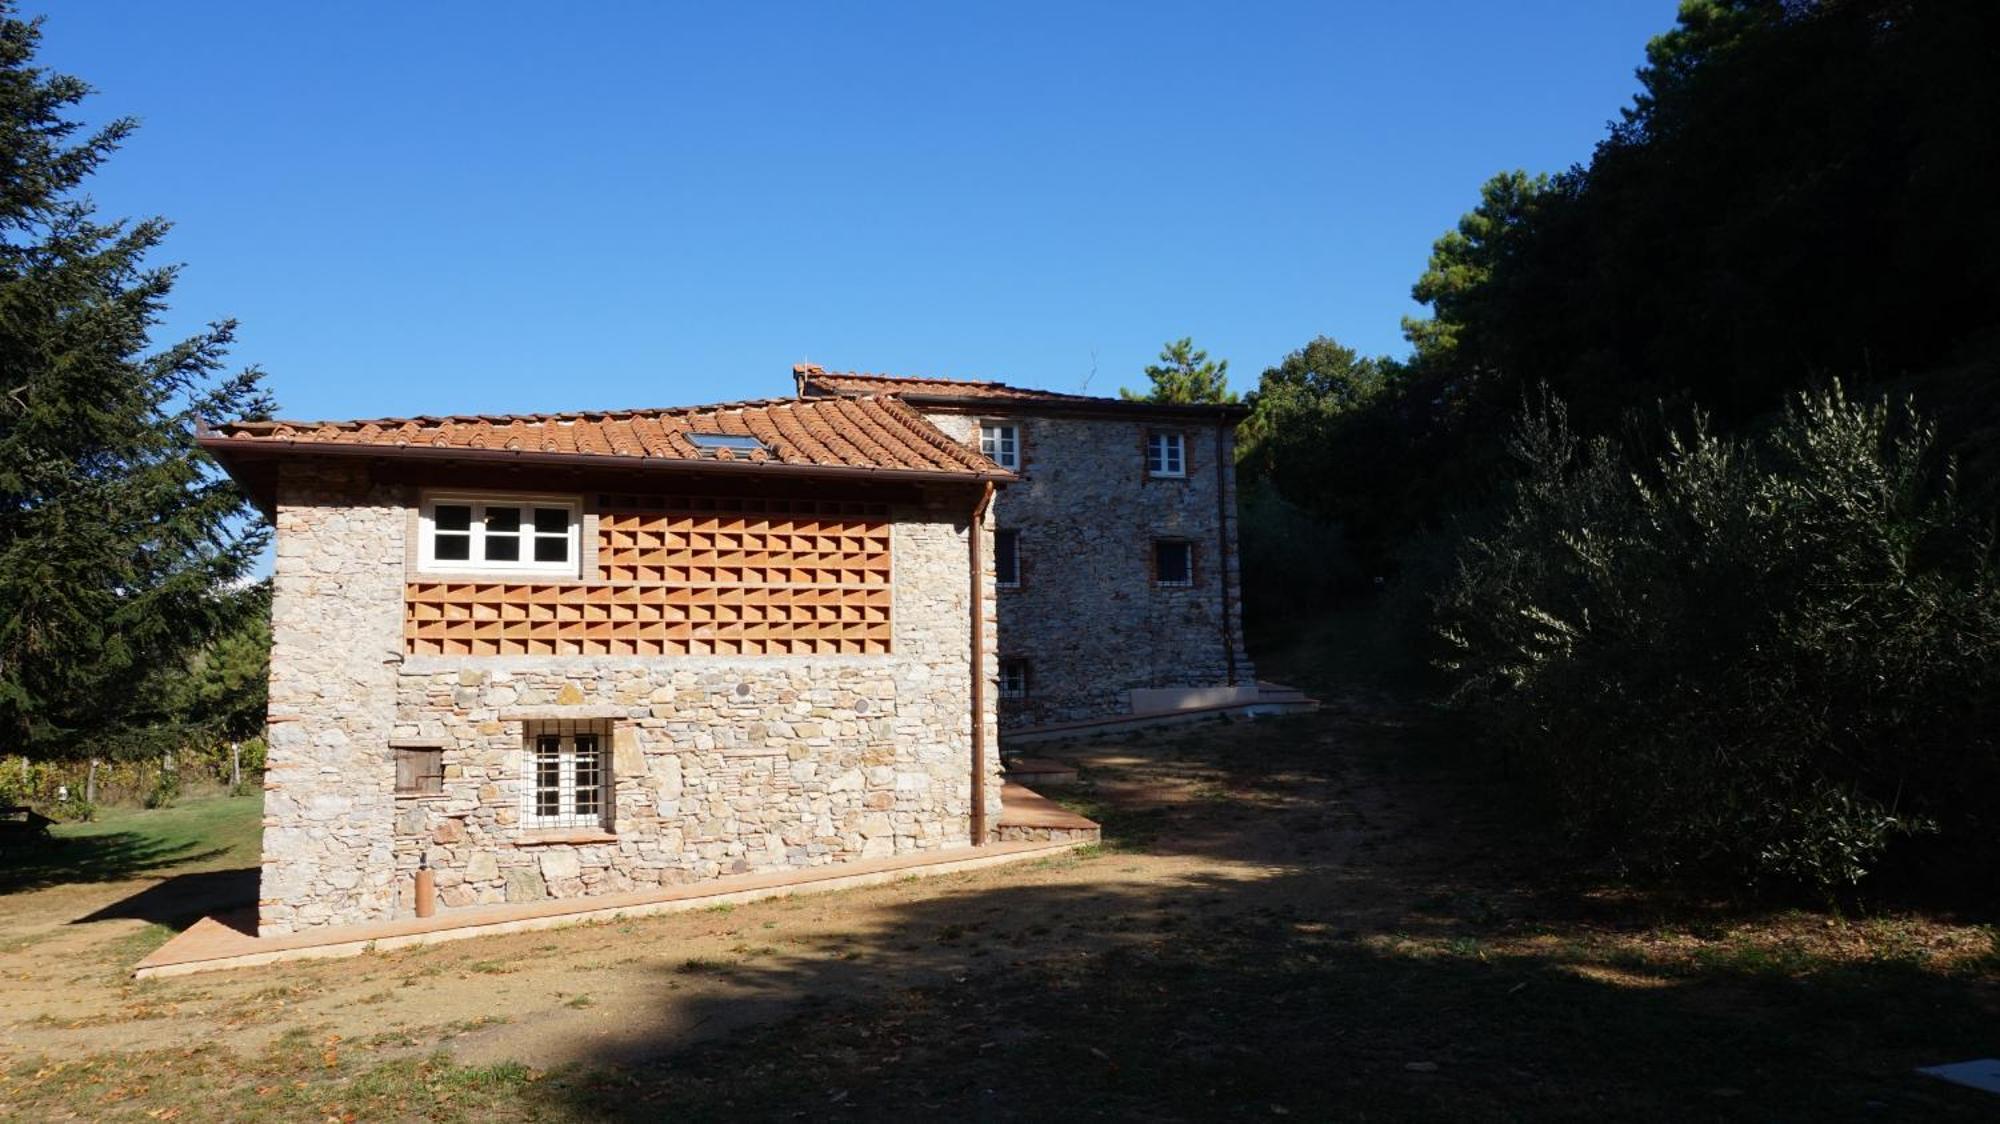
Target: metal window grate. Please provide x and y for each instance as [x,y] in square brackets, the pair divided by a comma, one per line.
[570,789]
[1014,679]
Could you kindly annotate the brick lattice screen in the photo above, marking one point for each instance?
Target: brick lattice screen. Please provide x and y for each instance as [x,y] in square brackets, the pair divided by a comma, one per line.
[683,575]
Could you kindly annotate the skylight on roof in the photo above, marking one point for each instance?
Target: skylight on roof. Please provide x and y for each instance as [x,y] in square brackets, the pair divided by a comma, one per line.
[734,442]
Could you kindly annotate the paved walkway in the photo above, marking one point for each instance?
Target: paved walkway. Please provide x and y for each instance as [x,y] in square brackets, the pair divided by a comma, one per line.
[1024,807]
[211,944]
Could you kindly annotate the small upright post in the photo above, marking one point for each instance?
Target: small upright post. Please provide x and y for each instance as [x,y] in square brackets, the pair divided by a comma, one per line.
[426,887]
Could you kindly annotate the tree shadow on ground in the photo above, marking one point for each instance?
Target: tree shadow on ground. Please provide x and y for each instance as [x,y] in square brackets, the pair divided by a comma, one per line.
[1352,942]
[1224,1000]
[108,857]
[230,896]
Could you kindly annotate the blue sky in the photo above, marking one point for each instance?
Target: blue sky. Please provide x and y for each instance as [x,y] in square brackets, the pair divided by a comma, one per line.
[458,207]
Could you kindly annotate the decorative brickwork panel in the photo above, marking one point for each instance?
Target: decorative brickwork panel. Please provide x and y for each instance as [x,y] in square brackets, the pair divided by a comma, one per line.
[684,575]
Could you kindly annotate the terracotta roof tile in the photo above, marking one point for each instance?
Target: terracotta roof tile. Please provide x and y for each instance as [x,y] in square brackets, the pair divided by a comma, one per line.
[868,432]
[816,379]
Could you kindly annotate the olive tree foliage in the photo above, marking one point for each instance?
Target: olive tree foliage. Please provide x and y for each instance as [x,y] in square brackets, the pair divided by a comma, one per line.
[1749,661]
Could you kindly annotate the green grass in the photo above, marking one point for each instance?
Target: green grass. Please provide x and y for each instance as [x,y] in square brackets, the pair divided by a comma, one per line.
[215,833]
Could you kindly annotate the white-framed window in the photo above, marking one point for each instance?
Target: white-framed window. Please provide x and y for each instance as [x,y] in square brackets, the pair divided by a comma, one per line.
[1013,679]
[1000,442]
[1173,562]
[1007,558]
[569,774]
[500,534]
[1166,454]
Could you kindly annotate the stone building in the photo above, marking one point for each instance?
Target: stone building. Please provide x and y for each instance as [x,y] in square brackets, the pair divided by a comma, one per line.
[562,655]
[1116,544]
[565,655]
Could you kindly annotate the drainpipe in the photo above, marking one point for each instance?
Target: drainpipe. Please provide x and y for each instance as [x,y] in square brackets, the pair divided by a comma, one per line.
[1222,551]
[977,573]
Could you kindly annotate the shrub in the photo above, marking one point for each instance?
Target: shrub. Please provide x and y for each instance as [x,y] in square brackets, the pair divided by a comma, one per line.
[74,810]
[166,789]
[1293,562]
[1760,660]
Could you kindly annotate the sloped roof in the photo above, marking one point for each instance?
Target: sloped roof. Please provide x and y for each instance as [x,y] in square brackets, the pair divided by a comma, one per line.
[815,382]
[813,378]
[850,434]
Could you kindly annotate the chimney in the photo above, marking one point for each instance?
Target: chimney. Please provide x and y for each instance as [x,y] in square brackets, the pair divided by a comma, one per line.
[803,371]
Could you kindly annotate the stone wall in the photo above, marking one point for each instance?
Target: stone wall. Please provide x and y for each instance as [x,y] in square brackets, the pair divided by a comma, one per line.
[719,765]
[1087,616]
[336,645]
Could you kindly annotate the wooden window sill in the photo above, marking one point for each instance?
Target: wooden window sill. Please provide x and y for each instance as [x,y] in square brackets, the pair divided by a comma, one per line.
[565,835]
[426,797]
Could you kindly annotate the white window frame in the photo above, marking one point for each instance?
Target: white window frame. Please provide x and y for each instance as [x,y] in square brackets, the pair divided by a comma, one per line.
[566,784]
[998,581]
[1003,451]
[1159,464]
[479,502]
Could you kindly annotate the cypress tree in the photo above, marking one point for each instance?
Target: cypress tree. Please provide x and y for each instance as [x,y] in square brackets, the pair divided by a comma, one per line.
[121,545]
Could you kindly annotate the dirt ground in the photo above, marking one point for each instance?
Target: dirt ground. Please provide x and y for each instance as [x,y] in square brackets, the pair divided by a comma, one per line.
[615,991]
[1308,896]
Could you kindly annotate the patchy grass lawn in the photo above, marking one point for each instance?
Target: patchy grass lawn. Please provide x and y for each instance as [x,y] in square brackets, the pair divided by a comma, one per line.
[193,836]
[1317,918]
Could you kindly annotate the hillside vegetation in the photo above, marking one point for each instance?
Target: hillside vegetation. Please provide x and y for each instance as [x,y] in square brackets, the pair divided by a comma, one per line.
[1687,486]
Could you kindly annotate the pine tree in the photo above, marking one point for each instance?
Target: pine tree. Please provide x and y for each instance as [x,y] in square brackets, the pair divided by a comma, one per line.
[1184,376]
[120,543]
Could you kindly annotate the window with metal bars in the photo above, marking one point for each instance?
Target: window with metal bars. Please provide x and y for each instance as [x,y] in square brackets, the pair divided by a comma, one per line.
[1013,679]
[570,786]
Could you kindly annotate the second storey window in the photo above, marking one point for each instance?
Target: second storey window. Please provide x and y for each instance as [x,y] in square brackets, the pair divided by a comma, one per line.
[1001,444]
[1007,558]
[1173,562]
[1166,454]
[506,534]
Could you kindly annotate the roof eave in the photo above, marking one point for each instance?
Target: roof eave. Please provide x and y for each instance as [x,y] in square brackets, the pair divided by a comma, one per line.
[1231,411]
[224,447]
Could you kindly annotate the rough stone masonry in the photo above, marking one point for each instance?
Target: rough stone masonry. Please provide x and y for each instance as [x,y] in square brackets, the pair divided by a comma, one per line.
[719,765]
[1087,618]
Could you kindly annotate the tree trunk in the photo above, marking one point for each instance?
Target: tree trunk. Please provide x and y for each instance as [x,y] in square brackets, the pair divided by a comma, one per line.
[90,784]
[235,766]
